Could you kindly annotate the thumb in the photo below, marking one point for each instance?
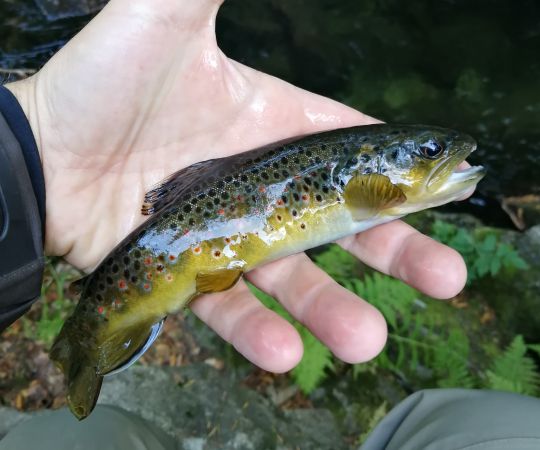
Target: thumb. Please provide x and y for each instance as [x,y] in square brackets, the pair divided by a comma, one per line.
[187,15]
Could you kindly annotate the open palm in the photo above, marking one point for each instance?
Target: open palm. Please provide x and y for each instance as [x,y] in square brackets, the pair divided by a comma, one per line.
[143,91]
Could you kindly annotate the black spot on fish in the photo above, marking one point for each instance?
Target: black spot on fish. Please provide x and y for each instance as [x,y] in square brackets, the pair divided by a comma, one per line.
[265,176]
[296,197]
[228,178]
[212,193]
[324,176]
[368,171]
[115,268]
[126,260]
[110,280]
[187,208]
[137,265]
[191,222]
[198,210]
[318,197]
[365,157]
[318,160]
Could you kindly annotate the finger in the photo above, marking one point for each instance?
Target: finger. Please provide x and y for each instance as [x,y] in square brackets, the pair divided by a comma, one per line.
[353,329]
[259,334]
[401,251]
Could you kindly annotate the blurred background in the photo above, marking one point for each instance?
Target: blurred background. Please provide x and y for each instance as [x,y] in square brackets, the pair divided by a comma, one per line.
[473,66]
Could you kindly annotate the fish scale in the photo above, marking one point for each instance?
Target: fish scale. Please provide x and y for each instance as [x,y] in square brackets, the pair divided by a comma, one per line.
[211,222]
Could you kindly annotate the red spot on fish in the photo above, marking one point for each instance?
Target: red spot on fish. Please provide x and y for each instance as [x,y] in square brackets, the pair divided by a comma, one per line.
[147,261]
[262,188]
[280,202]
[172,258]
[169,277]
[239,198]
[160,268]
[146,286]
[122,285]
[297,177]
[305,197]
[100,309]
[227,240]
[148,276]
[221,212]
[186,231]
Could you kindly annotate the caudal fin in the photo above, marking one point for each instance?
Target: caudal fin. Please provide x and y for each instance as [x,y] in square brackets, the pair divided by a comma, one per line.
[84,386]
[83,381]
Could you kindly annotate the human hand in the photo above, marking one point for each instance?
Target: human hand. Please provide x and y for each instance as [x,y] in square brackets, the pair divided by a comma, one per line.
[143,91]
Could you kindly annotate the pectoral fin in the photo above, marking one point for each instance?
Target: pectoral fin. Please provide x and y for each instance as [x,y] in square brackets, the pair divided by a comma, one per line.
[367,195]
[217,280]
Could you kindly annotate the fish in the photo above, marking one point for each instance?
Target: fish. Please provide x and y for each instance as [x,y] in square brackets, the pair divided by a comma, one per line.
[215,220]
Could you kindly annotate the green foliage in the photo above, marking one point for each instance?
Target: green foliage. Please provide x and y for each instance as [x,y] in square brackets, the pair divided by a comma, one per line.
[514,371]
[54,306]
[484,255]
[312,370]
[427,345]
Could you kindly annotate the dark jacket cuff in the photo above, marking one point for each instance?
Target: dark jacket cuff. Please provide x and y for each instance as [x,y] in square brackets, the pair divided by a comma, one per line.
[22,212]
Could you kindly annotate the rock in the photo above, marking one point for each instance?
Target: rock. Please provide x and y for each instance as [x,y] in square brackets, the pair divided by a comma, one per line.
[60,9]
[207,409]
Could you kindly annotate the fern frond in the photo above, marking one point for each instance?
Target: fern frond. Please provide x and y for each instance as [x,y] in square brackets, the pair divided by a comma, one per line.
[317,359]
[514,371]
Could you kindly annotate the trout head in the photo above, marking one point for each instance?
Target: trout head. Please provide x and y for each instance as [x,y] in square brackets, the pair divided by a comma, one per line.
[408,168]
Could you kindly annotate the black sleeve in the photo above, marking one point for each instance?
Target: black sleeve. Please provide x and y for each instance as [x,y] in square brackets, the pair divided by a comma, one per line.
[22,212]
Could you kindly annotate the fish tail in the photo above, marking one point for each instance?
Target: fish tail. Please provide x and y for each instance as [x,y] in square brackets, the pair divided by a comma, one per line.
[83,381]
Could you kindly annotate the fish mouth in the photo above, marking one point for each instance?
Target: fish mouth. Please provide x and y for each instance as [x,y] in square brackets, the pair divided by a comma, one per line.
[454,174]
[469,175]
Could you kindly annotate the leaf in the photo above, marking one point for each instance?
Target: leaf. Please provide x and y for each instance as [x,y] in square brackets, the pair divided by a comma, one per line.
[312,369]
[495,266]
[514,371]
[534,348]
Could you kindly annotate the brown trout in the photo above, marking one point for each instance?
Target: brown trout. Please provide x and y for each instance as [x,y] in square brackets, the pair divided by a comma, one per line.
[215,220]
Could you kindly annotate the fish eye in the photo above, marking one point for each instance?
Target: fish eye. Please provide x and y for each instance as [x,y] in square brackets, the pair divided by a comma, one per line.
[431,149]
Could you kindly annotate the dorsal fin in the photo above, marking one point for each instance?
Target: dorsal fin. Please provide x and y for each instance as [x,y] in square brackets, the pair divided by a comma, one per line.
[176,184]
